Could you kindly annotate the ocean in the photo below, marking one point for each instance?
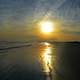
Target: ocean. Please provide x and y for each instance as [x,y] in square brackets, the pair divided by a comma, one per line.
[39,60]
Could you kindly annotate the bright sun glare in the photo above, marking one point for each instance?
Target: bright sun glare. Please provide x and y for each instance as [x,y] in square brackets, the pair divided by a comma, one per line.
[47,26]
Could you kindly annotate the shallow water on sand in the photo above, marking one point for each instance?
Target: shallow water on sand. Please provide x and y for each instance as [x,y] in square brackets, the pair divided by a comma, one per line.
[34,62]
[40,61]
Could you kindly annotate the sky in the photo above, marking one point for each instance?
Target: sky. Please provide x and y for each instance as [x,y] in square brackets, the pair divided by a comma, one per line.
[19,18]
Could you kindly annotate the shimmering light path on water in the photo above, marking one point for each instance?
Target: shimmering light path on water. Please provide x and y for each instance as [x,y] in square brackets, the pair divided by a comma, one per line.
[46,58]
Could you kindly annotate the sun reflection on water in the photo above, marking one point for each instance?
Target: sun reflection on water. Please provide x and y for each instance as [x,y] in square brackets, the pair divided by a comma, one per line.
[46,58]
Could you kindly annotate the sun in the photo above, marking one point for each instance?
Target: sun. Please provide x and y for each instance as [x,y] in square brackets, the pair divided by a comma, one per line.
[47,27]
